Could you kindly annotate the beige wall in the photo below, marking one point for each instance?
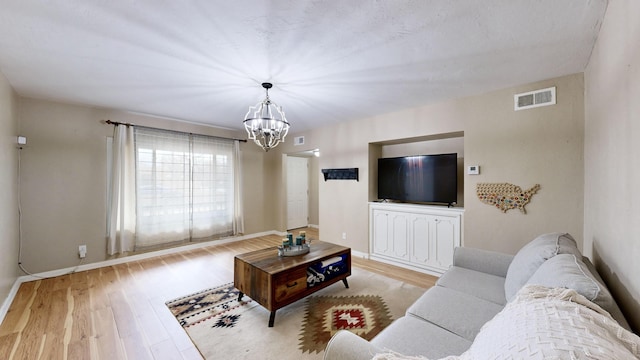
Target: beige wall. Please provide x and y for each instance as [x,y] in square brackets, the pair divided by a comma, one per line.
[536,146]
[257,175]
[9,185]
[64,180]
[314,182]
[612,160]
[542,145]
[439,146]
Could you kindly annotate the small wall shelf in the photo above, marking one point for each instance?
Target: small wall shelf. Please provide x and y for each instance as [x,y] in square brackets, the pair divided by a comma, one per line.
[340,174]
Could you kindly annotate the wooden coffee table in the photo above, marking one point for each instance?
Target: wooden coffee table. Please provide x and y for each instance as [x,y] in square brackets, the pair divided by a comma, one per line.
[276,281]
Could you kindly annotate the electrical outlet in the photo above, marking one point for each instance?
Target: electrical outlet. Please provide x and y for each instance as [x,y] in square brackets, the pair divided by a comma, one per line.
[344,236]
[82,251]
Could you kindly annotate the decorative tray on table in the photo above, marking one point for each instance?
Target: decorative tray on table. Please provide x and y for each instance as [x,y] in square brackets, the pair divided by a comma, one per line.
[294,250]
[288,249]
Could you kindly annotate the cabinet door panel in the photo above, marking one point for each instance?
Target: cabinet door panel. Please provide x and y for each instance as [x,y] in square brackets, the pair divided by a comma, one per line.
[444,239]
[381,232]
[400,234]
[421,228]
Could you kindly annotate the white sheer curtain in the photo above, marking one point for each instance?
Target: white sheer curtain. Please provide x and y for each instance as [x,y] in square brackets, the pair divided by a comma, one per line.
[212,187]
[121,201]
[167,187]
[163,194]
[238,218]
[185,187]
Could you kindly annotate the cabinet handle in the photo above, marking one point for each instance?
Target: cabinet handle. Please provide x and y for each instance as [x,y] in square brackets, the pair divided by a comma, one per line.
[292,285]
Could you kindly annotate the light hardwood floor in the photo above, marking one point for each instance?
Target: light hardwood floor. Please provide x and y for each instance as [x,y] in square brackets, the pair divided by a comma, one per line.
[119,312]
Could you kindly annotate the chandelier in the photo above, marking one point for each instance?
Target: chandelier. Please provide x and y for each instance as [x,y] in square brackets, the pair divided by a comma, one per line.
[265,122]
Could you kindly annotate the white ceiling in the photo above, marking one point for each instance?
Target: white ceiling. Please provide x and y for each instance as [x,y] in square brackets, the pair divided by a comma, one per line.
[330,61]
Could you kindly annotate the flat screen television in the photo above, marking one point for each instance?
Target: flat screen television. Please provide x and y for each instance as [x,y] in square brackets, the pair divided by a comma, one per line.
[422,178]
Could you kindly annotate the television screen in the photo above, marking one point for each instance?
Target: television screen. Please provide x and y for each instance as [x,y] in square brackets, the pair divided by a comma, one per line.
[423,178]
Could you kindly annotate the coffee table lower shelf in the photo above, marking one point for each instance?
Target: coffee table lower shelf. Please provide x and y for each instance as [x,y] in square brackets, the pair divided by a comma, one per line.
[274,281]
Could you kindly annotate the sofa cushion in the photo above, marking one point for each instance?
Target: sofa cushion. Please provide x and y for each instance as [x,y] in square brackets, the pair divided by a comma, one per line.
[481,285]
[485,261]
[460,313]
[412,336]
[568,271]
[532,255]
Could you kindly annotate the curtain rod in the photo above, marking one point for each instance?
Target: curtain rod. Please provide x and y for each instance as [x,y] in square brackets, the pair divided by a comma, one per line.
[116,123]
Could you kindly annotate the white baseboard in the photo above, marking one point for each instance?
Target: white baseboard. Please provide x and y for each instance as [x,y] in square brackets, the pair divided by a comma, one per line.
[96,265]
[359,254]
[6,304]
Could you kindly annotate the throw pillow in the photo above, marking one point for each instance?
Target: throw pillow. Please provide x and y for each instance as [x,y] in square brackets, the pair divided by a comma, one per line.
[532,255]
[568,271]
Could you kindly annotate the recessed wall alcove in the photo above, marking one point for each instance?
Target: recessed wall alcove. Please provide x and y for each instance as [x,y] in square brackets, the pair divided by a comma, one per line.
[422,145]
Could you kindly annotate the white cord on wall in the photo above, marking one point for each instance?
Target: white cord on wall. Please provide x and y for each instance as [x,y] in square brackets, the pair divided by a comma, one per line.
[20,230]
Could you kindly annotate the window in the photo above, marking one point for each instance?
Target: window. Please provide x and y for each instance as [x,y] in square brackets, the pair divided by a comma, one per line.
[184,187]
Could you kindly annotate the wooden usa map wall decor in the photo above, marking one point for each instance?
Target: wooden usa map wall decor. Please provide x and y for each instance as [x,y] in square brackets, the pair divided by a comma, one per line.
[505,196]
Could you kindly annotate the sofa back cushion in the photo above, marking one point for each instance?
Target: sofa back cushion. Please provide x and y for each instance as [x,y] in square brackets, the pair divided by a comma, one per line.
[531,256]
[566,271]
[570,272]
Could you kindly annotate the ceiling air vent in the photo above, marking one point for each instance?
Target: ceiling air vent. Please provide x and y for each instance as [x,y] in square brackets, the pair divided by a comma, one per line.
[298,140]
[534,99]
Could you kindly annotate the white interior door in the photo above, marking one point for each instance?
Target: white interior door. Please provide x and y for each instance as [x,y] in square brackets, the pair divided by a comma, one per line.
[297,192]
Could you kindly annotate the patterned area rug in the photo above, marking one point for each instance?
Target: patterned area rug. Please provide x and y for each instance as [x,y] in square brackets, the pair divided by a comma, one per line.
[220,304]
[364,315]
[222,327]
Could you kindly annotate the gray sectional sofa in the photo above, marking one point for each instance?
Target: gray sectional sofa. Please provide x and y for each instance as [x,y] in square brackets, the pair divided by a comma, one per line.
[445,320]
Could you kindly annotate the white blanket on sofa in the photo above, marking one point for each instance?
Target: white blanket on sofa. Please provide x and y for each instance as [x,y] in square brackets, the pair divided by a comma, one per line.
[545,323]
